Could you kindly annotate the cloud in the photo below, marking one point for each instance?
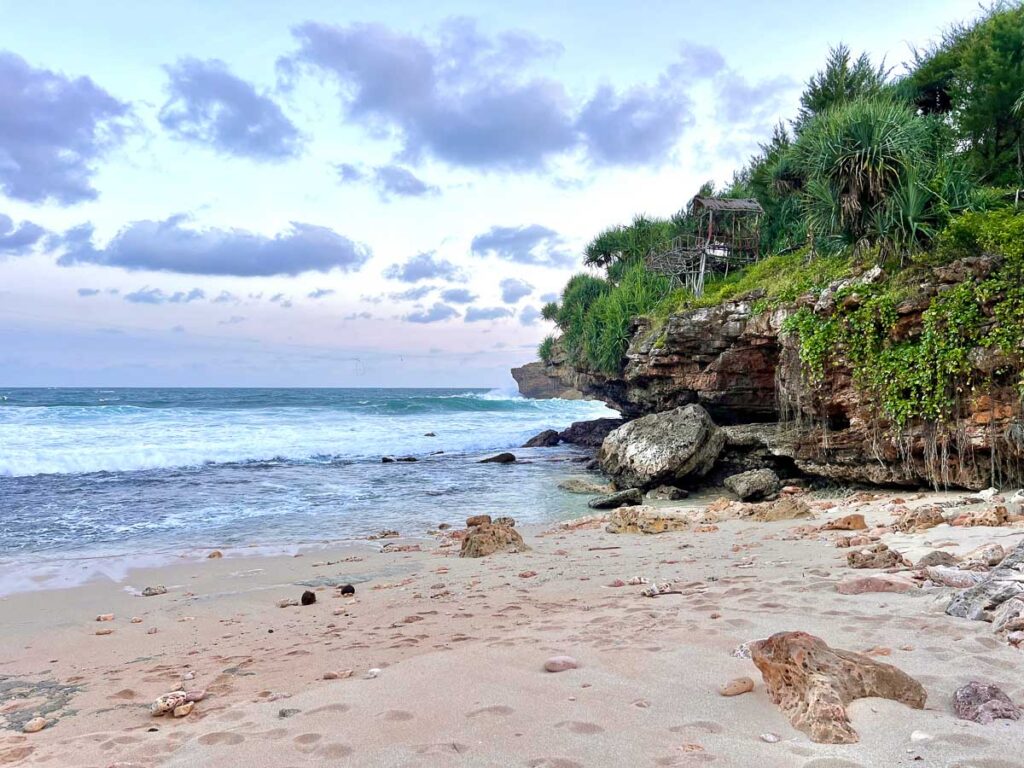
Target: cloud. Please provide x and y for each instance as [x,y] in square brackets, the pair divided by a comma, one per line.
[529,316]
[209,105]
[412,294]
[170,246]
[16,240]
[53,129]
[85,292]
[233,320]
[320,293]
[347,172]
[531,244]
[435,314]
[547,298]
[396,181]
[225,297]
[359,316]
[513,289]
[476,314]
[458,296]
[149,295]
[740,102]
[424,266]
[698,61]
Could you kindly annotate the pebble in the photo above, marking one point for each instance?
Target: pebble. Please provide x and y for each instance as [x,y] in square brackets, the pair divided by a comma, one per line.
[560,663]
[159,589]
[348,589]
[105,617]
[771,738]
[184,710]
[106,631]
[371,673]
[197,695]
[308,598]
[919,736]
[527,574]
[282,713]
[34,725]
[287,602]
[189,675]
[215,555]
[736,687]
[136,620]
[167,703]
[338,675]
[152,631]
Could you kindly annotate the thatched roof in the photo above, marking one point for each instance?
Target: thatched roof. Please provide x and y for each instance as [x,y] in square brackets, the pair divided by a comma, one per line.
[747,205]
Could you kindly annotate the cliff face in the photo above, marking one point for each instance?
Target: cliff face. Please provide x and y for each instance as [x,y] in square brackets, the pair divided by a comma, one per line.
[744,370]
[539,382]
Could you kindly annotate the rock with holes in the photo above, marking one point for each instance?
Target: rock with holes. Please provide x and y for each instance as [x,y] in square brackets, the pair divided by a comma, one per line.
[854,522]
[936,558]
[753,485]
[813,683]
[876,556]
[646,519]
[168,703]
[983,703]
[630,497]
[918,519]
[488,538]
[786,508]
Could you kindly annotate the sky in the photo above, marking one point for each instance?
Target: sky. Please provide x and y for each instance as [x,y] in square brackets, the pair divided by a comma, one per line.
[363,194]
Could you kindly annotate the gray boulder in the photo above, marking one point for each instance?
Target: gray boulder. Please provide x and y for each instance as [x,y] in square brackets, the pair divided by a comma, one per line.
[501,458]
[1004,583]
[755,484]
[667,493]
[662,448]
[628,498]
[546,439]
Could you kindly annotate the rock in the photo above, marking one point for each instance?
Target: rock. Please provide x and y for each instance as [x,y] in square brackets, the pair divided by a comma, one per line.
[407,459]
[813,683]
[585,485]
[196,695]
[383,460]
[154,591]
[646,519]
[475,520]
[876,582]
[386,533]
[430,434]
[786,508]
[372,673]
[308,598]
[215,555]
[527,574]
[755,484]
[876,556]
[853,522]
[992,517]
[34,725]
[628,498]
[919,519]
[668,493]
[669,447]
[937,557]
[486,539]
[546,439]
[106,631]
[983,703]
[1005,582]
[347,590]
[501,458]
[338,675]
[184,710]
[167,703]
[770,738]
[1009,616]
[152,631]
[589,434]
[560,664]
[953,577]
[984,556]
[534,381]
[287,602]
[287,712]
[105,617]
[509,521]
[135,620]
[736,687]
[919,737]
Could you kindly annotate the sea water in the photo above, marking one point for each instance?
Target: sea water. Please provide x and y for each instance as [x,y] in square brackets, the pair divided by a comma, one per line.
[103,478]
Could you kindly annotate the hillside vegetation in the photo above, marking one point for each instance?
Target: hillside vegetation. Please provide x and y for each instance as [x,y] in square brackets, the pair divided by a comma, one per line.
[906,172]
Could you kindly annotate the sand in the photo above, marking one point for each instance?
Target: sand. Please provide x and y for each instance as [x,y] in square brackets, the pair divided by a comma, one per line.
[460,647]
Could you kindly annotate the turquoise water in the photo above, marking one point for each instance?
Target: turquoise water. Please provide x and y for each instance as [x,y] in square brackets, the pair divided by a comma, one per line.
[106,472]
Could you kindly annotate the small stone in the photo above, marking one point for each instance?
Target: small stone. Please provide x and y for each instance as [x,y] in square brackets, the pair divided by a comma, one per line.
[770,738]
[284,713]
[348,589]
[920,736]
[506,521]
[197,695]
[105,617]
[881,582]
[372,673]
[983,703]
[167,703]
[527,574]
[475,520]
[308,598]
[136,620]
[189,675]
[184,710]
[152,631]
[34,725]
[736,687]
[287,602]
[159,589]
[106,631]
[560,664]
[338,675]
[215,555]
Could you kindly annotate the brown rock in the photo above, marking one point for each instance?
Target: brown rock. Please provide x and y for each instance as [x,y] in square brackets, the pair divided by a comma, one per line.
[786,508]
[476,520]
[983,703]
[813,683]
[938,557]
[184,710]
[876,582]
[918,519]
[215,555]
[736,687]
[34,725]
[486,539]
[105,617]
[644,519]
[853,522]
[876,556]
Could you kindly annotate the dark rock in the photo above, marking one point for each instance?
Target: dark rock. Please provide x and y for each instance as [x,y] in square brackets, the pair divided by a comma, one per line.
[429,434]
[589,434]
[407,459]
[501,458]
[593,465]
[983,703]
[668,493]
[1003,584]
[443,526]
[628,498]
[938,557]
[308,598]
[386,460]
[347,590]
[546,439]
[755,484]
[289,712]
[475,520]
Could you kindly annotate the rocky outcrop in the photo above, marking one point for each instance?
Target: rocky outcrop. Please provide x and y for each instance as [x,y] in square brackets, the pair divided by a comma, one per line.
[631,497]
[546,439]
[648,520]
[1005,584]
[537,382]
[589,434]
[753,485]
[670,447]
[813,683]
[488,538]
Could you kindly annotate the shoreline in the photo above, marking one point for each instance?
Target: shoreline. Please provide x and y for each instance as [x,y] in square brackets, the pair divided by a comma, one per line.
[460,646]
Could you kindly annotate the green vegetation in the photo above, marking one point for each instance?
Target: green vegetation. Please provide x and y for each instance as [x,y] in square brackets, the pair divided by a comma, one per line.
[907,171]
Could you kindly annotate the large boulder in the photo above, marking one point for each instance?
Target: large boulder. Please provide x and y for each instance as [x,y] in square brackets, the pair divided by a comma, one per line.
[646,519]
[589,434]
[546,439]
[813,683]
[488,538]
[669,447]
[1004,583]
[630,497]
[755,484]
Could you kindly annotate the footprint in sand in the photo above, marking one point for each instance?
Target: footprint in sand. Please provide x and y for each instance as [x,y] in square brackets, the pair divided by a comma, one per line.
[335,750]
[697,725]
[831,762]
[553,762]
[398,716]
[586,729]
[498,709]
[339,708]
[306,742]
[218,738]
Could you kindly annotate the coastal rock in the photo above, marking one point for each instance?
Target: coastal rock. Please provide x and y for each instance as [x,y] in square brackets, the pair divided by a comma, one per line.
[876,582]
[629,498]
[475,520]
[646,519]
[308,598]
[486,539]
[501,458]
[813,683]
[937,557]
[755,484]
[154,591]
[584,485]
[215,555]
[546,439]
[34,725]
[167,703]
[737,687]
[560,664]
[854,522]
[184,710]
[347,590]
[953,577]
[876,556]
[984,556]
[1005,582]
[535,382]
[509,521]
[918,519]
[786,508]
[992,517]
[667,493]
[668,447]
[983,703]
[589,434]
[407,459]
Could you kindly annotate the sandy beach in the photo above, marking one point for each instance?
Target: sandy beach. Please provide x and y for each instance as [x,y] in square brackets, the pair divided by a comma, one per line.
[459,646]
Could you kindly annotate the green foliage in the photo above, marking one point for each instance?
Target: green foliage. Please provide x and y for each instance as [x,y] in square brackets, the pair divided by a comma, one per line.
[843,79]
[579,294]
[546,349]
[618,247]
[550,311]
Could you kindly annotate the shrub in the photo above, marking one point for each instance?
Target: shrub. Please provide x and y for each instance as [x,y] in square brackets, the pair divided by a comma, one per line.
[546,349]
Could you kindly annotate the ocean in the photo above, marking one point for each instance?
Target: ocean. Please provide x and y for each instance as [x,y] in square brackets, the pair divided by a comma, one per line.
[93,481]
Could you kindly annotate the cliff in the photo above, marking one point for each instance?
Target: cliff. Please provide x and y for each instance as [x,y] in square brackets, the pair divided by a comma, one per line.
[742,366]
